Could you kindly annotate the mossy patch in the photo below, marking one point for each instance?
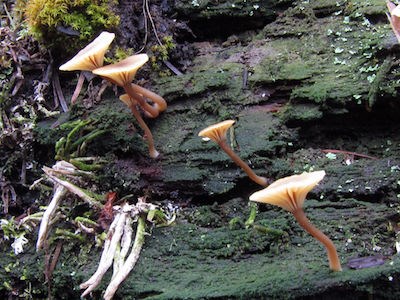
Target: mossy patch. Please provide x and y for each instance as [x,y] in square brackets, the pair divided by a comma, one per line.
[65,24]
[336,65]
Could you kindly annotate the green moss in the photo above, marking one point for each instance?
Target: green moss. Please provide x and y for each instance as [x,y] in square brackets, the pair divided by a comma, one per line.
[370,7]
[180,173]
[193,84]
[300,113]
[336,64]
[160,53]
[269,71]
[119,53]
[233,8]
[48,20]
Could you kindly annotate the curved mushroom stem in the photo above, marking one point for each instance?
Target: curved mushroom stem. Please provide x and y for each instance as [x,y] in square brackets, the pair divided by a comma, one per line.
[150,141]
[151,110]
[334,262]
[159,101]
[253,176]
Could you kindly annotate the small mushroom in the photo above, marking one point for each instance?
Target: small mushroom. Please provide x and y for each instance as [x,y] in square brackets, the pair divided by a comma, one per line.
[217,133]
[289,193]
[394,18]
[122,74]
[89,58]
[92,56]
[131,103]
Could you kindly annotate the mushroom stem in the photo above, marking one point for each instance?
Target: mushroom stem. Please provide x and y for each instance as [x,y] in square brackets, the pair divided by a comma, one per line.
[149,136]
[253,176]
[159,101]
[334,262]
[151,110]
[78,88]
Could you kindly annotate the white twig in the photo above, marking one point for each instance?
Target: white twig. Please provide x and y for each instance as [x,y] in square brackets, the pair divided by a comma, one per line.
[125,246]
[51,208]
[108,255]
[73,189]
[130,261]
[119,246]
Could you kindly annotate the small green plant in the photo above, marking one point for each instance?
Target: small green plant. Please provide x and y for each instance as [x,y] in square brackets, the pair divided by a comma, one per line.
[75,142]
[161,53]
[119,54]
[12,231]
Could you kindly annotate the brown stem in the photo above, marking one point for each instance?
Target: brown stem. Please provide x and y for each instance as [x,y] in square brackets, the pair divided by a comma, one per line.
[334,262]
[253,176]
[159,101]
[151,110]
[78,88]
[150,141]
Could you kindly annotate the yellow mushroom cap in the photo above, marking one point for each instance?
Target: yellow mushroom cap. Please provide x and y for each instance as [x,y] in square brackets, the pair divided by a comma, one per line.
[124,71]
[289,192]
[92,56]
[217,132]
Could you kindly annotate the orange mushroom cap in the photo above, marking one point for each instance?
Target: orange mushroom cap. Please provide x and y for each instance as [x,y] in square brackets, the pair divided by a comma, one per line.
[92,56]
[290,192]
[123,72]
[217,132]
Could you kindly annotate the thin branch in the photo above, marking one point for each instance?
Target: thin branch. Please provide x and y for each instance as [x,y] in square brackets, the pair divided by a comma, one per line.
[152,22]
[130,261]
[58,92]
[115,237]
[48,214]
[74,189]
[348,153]
[145,28]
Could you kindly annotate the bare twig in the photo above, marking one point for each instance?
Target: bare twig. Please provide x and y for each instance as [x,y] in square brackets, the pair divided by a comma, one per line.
[58,92]
[145,28]
[348,153]
[152,22]
[118,243]
[130,262]
[172,68]
[107,256]
[147,15]
[125,246]
[73,189]
[8,194]
[50,265]
[48,214]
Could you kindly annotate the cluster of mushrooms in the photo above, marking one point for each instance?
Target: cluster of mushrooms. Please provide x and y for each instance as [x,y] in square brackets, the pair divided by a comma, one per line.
[288,193]
[91,58]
